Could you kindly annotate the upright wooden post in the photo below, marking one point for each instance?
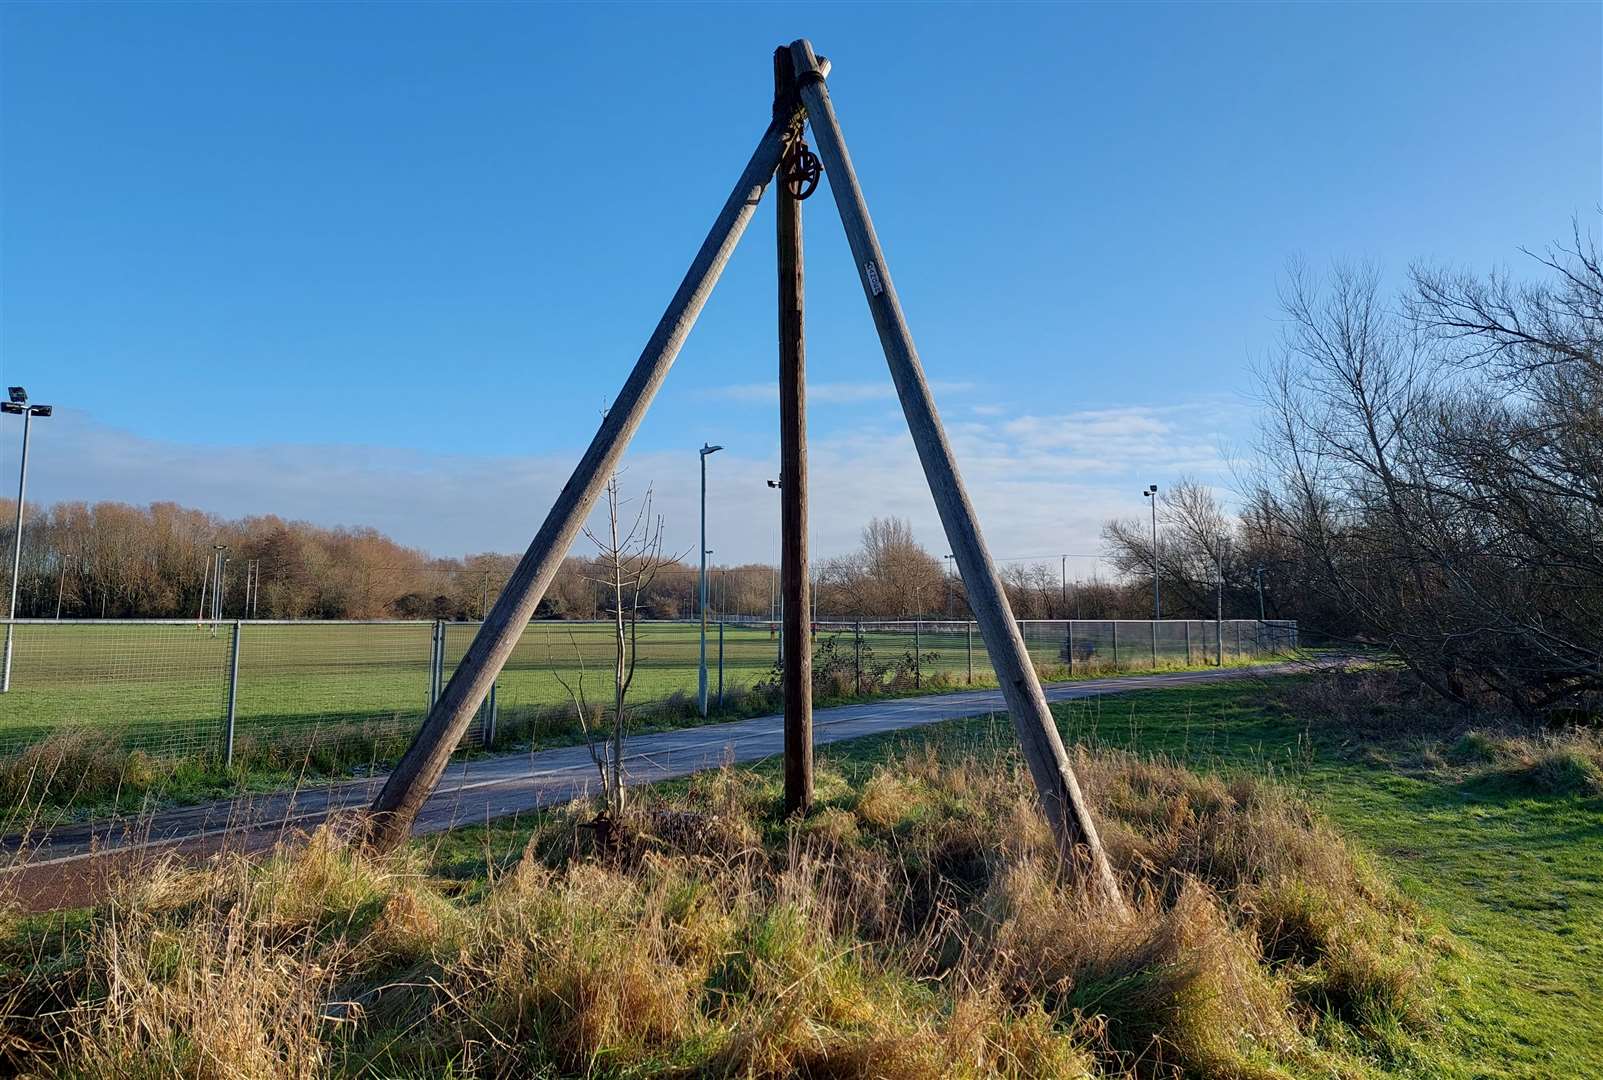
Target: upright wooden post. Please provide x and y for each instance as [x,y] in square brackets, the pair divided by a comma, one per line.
[797,671]
[419,769]
[1064,804]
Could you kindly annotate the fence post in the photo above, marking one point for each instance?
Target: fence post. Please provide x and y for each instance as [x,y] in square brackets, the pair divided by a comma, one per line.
[857,654]
[1154,644]
[434,649]
[918,658]
[490,714]
[970,629]
[1188,643]
[1068,644]
[720,663]
[233,698]
[1238,639]
[1115,624]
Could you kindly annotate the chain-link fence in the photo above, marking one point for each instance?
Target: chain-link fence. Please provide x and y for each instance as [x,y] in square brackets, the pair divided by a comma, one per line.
[266,690]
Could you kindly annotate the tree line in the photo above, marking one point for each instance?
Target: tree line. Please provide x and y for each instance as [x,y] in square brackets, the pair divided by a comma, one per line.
[111,560]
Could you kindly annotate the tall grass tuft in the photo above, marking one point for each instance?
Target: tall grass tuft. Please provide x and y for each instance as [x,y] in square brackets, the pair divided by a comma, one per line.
[917,925]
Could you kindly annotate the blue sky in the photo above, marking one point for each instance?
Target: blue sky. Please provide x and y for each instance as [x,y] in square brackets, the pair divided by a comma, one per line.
[384,265]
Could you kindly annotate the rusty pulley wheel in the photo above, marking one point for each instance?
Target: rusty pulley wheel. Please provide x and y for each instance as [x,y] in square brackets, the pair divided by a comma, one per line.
[800,168]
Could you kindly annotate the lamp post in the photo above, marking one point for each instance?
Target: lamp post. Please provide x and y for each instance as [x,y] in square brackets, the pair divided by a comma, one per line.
[1157,605]
[948,559]
[1219,610]
[17,405]
[701,677]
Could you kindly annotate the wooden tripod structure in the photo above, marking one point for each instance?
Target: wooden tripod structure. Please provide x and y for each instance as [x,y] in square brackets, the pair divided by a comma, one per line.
[800,96]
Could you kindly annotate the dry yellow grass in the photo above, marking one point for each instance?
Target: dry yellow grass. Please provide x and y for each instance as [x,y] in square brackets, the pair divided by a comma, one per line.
[919,927]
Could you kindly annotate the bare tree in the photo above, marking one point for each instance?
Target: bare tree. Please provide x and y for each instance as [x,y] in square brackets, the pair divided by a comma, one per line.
[1437,466]
[627,563]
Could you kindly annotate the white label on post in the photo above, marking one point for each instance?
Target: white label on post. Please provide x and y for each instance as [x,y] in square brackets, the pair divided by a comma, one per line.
[874,283]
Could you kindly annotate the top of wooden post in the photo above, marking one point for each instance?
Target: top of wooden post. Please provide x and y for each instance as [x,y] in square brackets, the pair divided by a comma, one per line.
[807,66]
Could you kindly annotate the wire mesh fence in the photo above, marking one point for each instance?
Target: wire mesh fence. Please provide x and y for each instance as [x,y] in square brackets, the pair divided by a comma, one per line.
[278,691]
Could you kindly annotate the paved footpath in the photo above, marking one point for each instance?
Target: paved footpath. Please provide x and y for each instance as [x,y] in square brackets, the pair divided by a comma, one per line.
[58,865]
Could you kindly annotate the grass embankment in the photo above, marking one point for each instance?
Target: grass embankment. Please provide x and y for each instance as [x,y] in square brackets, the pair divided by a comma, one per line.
[1496,831]
[915,925]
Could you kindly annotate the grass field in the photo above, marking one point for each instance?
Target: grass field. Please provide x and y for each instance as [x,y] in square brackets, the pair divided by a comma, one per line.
[164,687]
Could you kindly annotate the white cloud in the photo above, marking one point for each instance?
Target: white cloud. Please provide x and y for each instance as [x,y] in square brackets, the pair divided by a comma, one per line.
[1042,484]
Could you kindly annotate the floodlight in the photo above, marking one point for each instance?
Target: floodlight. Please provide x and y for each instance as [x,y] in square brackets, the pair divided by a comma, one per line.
[43,410]
[775,483]
[19,395]
[705,449]
[13,408]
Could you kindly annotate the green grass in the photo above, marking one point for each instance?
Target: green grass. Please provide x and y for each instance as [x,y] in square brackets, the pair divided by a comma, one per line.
[1514,874]
[327,699]
[164,687]
[1511,872]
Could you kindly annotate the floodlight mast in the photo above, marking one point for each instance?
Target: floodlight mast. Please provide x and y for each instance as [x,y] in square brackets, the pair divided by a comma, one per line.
[701,667]
[1151,492]
[17,405]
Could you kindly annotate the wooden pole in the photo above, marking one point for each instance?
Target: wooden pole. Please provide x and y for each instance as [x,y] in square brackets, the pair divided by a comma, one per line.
[392,813]
[1063,802]
[797,671]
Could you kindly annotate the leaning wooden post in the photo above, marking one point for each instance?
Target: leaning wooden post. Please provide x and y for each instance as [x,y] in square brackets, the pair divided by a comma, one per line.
[797,670]
[1061,798]
[420,767]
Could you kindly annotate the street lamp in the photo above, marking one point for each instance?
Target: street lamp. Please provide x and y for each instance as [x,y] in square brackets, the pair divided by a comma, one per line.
[701,679]
[17,405]
[1157,604]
